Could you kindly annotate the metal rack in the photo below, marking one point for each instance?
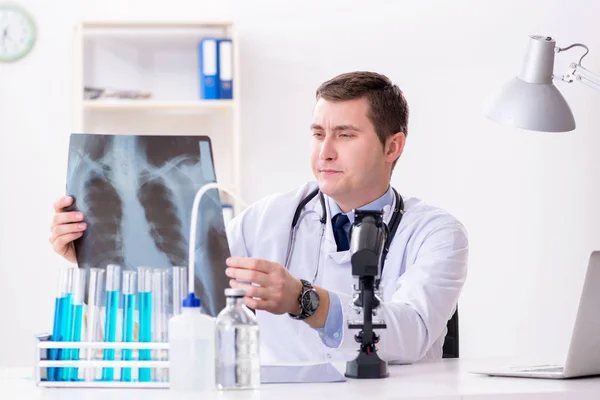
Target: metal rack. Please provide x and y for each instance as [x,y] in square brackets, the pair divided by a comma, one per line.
[87,361]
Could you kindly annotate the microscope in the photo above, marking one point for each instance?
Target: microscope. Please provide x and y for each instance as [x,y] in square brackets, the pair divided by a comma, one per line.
[368,236]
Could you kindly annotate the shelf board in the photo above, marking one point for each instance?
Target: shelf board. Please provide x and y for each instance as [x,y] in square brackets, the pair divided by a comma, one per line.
[158,105]
[156,24]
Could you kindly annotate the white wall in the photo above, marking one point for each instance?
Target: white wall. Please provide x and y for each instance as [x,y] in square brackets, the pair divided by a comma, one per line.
[527,199]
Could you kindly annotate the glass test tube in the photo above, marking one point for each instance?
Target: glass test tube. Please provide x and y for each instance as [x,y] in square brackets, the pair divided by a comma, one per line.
[179,288]
[160,302]
[96,300]
[129,294]
[66,324]
[61,292]
[79,278]
[145,319]
[113,291]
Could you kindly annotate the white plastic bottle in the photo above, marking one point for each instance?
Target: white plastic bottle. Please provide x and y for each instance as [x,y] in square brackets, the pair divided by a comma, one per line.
[192,348]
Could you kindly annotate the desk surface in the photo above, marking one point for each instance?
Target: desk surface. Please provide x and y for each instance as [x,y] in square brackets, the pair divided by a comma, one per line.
[448,379]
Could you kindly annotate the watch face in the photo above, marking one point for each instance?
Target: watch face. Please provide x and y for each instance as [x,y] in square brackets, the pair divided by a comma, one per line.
[310,301]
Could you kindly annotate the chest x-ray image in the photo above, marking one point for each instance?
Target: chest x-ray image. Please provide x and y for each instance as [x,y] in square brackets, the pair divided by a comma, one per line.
[136,193]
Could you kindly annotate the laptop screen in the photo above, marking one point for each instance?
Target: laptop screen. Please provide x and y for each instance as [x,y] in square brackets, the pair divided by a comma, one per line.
[136,193]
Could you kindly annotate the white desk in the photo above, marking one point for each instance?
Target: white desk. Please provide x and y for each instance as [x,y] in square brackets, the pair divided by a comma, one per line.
[448,379]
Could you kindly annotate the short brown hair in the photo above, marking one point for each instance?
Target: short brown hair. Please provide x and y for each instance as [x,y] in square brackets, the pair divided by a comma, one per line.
[388,110]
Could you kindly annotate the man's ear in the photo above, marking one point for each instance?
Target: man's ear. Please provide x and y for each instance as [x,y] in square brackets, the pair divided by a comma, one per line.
[394,145]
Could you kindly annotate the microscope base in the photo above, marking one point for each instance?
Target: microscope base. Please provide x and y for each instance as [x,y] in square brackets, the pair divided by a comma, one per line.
[367,366]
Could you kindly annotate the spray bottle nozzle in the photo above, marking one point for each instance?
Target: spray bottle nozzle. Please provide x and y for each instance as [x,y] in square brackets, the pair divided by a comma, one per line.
[191,301]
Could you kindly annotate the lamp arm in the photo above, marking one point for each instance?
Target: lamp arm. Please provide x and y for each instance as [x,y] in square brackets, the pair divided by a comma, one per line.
[580,74]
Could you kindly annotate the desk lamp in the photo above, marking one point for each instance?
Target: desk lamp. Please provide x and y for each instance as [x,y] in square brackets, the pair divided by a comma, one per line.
[530,100]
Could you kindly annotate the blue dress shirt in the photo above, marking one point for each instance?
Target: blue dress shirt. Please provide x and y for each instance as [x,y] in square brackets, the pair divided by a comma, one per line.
[331,333]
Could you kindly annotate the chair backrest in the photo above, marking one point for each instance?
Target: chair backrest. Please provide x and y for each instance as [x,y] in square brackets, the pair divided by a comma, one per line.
[450,349]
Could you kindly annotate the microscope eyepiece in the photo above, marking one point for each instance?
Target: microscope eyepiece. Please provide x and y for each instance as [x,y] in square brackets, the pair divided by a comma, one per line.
[368,236]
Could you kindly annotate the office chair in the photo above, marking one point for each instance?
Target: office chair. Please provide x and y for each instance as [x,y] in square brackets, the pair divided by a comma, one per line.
[450,348]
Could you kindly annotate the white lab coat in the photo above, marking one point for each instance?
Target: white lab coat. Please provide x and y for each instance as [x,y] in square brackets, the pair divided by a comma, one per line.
[423,276]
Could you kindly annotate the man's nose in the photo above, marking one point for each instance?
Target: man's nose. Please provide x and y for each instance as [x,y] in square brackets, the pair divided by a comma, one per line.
[328,151]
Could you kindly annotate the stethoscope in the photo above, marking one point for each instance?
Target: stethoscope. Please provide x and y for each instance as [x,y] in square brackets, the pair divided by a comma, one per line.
[298,216]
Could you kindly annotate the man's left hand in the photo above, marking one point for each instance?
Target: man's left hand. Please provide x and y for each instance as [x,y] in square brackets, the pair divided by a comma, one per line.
[277,290]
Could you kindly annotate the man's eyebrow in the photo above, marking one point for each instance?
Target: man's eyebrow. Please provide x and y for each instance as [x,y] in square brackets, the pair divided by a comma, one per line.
[346,127]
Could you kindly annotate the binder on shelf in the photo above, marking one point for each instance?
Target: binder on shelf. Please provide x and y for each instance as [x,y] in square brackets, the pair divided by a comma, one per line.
[225,52]
[209,69]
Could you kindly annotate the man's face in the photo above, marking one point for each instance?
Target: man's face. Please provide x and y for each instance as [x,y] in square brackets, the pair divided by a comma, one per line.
[347,157]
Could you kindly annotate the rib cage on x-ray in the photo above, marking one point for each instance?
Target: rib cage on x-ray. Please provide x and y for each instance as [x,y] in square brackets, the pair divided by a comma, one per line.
[136,193]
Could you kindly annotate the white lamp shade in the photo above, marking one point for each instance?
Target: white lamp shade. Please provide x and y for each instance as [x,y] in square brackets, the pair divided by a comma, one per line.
[532,106]
[530,100]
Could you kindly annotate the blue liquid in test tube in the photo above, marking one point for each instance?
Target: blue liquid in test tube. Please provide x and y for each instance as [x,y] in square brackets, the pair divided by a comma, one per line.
[78,321]
[54,354]
[66,325]
[145,319]
[66,310]
[129,295]
[79,279]
[113,293]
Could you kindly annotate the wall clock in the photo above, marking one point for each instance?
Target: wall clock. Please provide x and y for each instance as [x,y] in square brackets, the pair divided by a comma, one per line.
[17,33]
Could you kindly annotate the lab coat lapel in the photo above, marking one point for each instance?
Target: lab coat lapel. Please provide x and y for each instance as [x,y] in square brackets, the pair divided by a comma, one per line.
[329,239]
[330,246]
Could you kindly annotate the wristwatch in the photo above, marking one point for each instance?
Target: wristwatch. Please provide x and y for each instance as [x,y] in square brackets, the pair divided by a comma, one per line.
[308,301]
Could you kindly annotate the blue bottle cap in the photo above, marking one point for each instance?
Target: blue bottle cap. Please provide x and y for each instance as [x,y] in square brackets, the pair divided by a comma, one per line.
[191,301]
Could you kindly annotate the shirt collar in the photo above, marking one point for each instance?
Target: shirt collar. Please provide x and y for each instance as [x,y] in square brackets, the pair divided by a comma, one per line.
[376,205]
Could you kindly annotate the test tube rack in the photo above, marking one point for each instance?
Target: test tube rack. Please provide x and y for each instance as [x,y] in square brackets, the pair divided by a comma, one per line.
[43,363]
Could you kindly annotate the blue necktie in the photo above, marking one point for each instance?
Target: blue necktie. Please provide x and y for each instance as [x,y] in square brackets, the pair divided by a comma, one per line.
[341,238]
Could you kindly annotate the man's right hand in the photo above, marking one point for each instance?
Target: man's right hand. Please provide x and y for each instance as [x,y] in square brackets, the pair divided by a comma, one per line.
[66,227]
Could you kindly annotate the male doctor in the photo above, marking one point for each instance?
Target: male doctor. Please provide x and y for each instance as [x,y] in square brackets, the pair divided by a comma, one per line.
[301,283]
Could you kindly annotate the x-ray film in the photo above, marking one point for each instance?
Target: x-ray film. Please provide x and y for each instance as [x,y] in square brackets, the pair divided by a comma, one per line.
[136,193]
